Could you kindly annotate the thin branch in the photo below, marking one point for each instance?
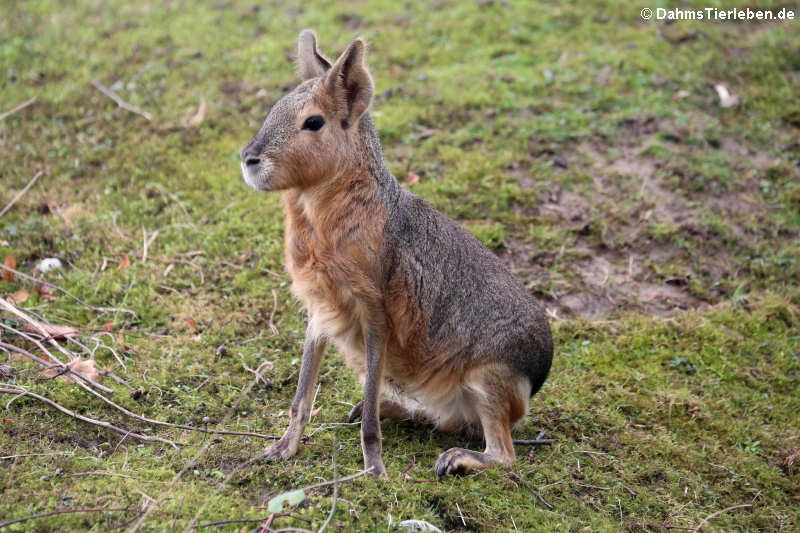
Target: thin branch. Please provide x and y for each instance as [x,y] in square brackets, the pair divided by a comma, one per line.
[717,513]
[541,499]
[147,241]
[153,503]
[21,193]
[120,102]
[20,107]
[86,418]
[232,521]
[66,369]
[342,480]
[335,487]
[99,473]
[272,327]
[36,455]
[65,291]
[69,511]
[179,426]
[14,310]
[534,442]
[131,414]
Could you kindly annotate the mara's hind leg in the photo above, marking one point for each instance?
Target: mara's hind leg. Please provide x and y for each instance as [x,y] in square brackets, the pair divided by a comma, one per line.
[388,409]
[498,404]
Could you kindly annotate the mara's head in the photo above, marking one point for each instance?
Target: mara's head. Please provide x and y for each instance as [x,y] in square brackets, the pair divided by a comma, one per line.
[312,133]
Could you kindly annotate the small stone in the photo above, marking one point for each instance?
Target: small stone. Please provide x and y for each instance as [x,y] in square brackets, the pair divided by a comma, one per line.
[560,162]
[222,350]
[51,263]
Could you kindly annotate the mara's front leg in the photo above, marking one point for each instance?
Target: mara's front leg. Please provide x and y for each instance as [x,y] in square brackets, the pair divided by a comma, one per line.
[300,412]
[375,348]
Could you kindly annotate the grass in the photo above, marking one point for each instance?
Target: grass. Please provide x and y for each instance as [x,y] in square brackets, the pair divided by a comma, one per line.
[584,146]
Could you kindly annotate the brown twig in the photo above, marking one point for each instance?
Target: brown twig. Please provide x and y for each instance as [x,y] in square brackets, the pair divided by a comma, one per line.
[153,503]
[46,335]
[335,489]
[179,426]
[69,511]
[236,521]
[341,480]
[67,369]
[542,500]
[131,414]
[538,441]
[58,364]
[20,107]
[86,419]
[147,241]
[717,513]
[120,102]
[267,525]
[534,442]
[352,507]
[21,193]
[65,291]
[272,327]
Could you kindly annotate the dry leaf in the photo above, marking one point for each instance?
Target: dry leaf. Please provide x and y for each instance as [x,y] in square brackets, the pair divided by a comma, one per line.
[10,262]
[125,263]
[108,326]
[54,332]
[192,324]
[603,76]
[46,292]
[412,178]
[18,297]
[726,99]
[681,95]
[199,116]
[84,366]
[427,133]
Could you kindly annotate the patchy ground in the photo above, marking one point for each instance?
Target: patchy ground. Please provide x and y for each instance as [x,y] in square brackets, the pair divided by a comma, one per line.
[587,148]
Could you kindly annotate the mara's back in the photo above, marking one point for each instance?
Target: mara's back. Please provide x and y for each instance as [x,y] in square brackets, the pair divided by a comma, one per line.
[472,309]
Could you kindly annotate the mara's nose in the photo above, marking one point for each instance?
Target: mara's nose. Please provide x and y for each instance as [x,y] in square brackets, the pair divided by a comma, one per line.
[250,159]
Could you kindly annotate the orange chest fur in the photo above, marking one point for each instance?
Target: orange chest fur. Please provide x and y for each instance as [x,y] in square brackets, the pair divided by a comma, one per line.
[334,271]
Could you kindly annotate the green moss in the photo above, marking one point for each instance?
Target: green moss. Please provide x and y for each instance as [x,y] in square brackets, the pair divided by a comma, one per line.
[656,420]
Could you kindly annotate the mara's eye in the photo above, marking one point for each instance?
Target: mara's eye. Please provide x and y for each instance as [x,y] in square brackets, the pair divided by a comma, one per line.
[314,122]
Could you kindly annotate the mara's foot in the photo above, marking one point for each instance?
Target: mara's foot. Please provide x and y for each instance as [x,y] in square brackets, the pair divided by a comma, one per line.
[460,461]
[388,409]
[284,448]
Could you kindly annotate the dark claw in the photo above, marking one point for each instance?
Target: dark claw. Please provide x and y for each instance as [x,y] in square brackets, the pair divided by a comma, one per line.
[456,461]
[355,412]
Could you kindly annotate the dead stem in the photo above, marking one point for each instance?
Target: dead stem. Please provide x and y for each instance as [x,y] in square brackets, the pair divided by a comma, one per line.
[107,425]
[21,193]
[65,291]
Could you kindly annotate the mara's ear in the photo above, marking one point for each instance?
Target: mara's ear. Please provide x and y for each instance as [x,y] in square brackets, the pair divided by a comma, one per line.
[349,84]
[310,63]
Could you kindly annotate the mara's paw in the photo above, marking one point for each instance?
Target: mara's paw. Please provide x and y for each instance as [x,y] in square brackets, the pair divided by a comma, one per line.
[377,469]
[355,412]
[459,461]
[283,449]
